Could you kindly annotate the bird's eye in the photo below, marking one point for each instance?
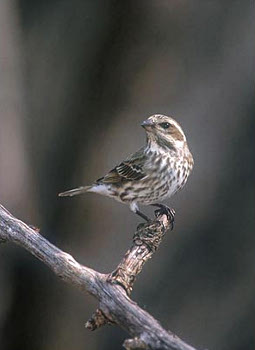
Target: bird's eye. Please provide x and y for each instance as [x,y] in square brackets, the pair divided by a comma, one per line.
[165,125]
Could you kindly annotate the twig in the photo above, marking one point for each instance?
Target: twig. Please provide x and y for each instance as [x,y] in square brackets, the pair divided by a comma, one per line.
[115,306]
[146,241]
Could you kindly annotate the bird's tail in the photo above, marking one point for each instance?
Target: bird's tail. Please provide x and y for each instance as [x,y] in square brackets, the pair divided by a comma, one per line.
[75,191]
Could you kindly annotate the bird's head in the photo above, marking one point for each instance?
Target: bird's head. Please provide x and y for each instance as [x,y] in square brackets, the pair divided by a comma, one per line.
[164,131]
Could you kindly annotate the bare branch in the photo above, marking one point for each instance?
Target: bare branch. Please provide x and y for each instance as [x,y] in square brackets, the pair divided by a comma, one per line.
[98,319]
[134,343]
[111,290]
[146,241]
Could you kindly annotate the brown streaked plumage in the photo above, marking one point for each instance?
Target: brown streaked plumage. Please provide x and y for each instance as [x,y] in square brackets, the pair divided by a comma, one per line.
[152,174]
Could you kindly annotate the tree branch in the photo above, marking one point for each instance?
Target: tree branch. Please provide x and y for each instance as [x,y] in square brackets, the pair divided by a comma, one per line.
[113,290]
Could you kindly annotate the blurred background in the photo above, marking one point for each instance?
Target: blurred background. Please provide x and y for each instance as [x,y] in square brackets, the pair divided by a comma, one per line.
[76,80]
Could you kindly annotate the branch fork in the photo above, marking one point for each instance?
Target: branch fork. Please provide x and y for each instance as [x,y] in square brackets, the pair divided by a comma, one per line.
[111,290]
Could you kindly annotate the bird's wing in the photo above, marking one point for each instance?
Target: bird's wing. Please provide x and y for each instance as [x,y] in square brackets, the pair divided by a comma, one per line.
[129,170]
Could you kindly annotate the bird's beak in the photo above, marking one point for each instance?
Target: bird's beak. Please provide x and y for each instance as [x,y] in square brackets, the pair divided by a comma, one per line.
[147,124]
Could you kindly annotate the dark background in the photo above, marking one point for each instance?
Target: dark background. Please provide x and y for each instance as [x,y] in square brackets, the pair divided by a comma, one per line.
[76,80]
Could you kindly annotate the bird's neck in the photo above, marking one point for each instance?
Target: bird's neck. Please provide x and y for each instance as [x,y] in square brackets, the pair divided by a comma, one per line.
[168,149]
[157,145]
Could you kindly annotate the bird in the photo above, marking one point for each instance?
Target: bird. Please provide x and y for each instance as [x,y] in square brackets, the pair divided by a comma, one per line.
[152,174]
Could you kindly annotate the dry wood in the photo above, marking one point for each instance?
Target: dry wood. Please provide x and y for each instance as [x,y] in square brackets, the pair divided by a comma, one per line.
[112,290]
[146,241]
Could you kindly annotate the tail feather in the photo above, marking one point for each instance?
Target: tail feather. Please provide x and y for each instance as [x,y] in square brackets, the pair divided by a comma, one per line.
[75,191]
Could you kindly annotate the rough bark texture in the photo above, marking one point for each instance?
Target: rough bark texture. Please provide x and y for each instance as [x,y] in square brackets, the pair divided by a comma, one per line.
[112,291]
[146,241]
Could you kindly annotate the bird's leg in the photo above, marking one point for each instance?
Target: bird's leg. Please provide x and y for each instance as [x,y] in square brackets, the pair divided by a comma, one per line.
[163,209]
[135,209]
[138,212]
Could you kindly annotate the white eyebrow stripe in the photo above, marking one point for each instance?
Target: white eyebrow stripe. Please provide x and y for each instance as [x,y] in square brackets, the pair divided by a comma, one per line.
[179,128]
[172,121]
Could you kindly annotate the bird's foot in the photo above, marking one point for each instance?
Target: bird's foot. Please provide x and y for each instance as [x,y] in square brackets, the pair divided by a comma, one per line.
[169,212]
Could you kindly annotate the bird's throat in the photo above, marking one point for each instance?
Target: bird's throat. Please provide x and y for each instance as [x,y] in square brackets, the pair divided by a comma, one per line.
[158,144]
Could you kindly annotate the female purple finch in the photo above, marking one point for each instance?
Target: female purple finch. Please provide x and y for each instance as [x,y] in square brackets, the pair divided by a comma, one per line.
[153,173]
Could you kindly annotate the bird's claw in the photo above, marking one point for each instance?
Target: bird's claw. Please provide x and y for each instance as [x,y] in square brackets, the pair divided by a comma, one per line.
[169,212]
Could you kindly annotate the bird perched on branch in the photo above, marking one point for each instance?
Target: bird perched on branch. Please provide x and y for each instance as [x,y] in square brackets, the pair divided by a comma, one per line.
[152,174]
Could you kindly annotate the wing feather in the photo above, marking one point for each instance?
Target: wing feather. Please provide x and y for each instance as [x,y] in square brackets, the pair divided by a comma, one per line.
[129,170]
